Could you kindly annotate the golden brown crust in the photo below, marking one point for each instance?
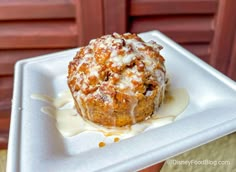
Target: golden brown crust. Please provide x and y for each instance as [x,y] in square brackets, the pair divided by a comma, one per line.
[117,79]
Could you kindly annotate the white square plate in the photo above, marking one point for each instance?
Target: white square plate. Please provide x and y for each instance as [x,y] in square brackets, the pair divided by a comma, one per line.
[36,145]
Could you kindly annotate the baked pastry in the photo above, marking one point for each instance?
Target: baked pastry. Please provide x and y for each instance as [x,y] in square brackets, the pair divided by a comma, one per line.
[117,79]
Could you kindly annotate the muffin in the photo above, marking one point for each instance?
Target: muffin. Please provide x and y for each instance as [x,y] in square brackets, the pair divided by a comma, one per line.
[117,80]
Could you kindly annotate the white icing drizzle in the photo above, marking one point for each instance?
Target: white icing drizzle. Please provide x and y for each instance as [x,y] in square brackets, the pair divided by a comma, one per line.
[81,106]
[133,104]
[70,123]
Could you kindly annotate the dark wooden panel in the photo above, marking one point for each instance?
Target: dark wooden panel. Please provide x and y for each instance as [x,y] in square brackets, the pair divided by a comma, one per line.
[38,34]
[5,108]
[37,9]
[181,28]
[115,18]
[4,124]
[4,129]
[232,64]
[153,7]
[6,87]
[3,140]
[225,26]
[9,57]
[89,16]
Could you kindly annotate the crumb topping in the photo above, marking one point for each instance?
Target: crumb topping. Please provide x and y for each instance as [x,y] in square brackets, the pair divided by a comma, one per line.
[116,63]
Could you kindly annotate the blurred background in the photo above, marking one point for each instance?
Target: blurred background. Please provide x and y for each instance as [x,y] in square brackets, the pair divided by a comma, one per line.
[30,28]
